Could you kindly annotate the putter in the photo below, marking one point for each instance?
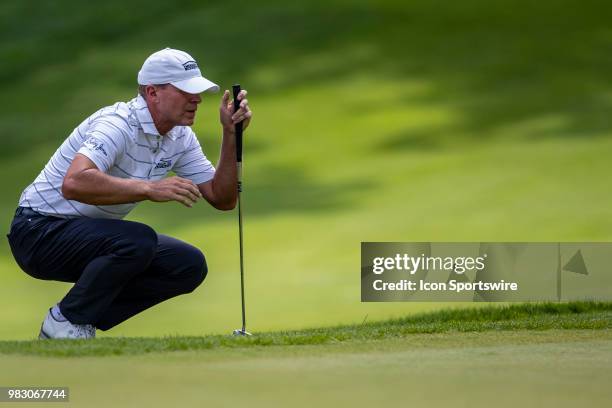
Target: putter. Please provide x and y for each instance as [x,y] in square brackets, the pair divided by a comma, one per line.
[236,91]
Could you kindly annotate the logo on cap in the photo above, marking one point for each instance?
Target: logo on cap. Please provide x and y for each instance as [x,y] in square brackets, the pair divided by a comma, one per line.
[190,65]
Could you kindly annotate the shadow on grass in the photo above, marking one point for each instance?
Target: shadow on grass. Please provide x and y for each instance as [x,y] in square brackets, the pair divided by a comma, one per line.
[495,65]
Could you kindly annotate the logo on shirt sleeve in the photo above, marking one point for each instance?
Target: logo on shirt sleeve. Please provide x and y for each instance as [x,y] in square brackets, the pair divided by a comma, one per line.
[93,144]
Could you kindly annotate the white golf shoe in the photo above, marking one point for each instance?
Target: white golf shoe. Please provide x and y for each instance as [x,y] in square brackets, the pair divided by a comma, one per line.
[52,328]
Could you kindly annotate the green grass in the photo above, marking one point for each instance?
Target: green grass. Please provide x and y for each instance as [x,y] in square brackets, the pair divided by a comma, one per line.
[545,355]
[550,368]
[374,121]
[540,316]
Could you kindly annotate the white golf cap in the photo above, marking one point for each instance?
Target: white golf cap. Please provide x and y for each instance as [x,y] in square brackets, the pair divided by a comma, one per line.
[170,66]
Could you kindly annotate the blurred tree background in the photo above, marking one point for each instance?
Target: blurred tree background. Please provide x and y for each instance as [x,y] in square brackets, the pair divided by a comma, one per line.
[374,121]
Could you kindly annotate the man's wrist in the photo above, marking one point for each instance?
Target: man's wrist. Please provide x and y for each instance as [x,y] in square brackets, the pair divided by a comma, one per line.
[145,190]
[229,130]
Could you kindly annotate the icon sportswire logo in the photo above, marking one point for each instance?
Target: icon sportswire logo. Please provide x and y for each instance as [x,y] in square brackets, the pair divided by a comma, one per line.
[189,65]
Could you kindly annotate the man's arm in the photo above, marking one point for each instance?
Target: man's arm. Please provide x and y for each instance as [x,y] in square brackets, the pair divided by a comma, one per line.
[222,191]
[84,182]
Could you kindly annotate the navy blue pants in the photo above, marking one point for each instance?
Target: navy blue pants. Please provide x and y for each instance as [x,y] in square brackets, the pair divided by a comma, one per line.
[119,268]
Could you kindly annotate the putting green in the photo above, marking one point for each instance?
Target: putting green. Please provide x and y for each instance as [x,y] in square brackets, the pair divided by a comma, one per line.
[555,354]
[555,368]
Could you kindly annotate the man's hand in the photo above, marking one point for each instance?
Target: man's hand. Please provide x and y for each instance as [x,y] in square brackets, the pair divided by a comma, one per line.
[173,189]
[226,111]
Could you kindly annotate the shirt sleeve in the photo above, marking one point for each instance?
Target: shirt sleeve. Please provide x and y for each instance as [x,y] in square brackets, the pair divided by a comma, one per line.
[193,164]
[104,141]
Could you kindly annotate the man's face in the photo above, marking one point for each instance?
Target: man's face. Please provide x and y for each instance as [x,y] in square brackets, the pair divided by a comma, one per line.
[176,106]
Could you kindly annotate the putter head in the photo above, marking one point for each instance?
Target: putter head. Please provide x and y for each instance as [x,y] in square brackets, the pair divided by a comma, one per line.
[240,332]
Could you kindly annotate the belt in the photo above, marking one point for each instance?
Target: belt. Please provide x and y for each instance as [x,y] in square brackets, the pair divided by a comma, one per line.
[27,212]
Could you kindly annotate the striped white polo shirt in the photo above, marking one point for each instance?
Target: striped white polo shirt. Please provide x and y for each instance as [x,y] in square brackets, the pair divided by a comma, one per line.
[122,141]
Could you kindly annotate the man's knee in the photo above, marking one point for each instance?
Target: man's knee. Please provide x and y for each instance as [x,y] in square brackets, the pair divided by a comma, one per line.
[196,270]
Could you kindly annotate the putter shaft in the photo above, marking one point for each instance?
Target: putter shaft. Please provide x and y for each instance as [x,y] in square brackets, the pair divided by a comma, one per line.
[239,129]
[241,247]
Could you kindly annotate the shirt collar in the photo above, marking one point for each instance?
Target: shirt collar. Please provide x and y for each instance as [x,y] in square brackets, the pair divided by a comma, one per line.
[146,120]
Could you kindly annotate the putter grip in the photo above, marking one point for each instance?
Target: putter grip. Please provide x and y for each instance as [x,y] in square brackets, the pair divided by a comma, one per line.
[238,126]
